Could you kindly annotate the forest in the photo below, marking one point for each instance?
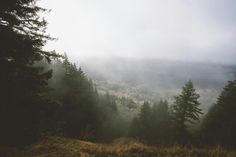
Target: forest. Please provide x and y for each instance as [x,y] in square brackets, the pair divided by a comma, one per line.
[44,95]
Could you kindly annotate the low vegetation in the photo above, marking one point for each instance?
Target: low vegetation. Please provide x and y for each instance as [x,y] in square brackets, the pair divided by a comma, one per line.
[66,147]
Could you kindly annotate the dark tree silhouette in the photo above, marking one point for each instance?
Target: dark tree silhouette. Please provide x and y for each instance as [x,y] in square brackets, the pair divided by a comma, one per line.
[186,109]
[219,124]
[153,124]
[140,126]
[84,113]
[22,37]
[77,96]
[160,123]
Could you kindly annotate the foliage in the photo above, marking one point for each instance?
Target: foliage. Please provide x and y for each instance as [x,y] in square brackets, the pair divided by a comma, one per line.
[185,109]
[84,113]
[23,109]
[153,124]
[35,101]
[58,146]
[161,123]
[219,124]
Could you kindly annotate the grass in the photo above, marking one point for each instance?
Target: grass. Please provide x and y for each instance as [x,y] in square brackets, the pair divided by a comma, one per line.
[66,147]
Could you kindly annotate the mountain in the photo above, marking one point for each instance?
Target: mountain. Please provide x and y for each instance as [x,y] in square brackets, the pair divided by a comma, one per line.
[152,79]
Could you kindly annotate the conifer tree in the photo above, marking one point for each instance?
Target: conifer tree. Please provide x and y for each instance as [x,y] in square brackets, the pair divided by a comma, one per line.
[219,124]
[145,113]
[160,122]
[22,37]
[186,108]
[141,124]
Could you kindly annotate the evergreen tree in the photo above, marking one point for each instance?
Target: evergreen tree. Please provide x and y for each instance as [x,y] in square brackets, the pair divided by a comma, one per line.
[145,113]
[186,109]
[84,113]
[78,112]
[219,124]
[161,124]
[141,124]
[110,126]
[23,84]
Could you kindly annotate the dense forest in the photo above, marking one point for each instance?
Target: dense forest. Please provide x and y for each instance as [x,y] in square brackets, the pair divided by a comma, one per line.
[44,94]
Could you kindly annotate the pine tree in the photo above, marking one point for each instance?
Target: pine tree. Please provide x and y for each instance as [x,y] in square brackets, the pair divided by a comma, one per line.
[78,114]
[186,108]
[161,124]
[219,124]
[145,112]
[141,124]
[22,37]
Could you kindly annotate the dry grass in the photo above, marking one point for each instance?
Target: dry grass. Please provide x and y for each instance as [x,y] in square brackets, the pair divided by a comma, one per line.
[66,147]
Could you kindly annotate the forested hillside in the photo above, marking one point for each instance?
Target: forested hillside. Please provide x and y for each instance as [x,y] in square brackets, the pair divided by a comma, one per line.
[45,95]
[155,78]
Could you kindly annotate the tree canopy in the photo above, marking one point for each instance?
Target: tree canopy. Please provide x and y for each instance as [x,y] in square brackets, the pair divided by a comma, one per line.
[23,83]
[186,108]
[219,124]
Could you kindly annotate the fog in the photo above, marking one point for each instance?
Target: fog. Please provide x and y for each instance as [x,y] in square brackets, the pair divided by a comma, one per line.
[192,30]
[155,79]
[148,49]
[123,78]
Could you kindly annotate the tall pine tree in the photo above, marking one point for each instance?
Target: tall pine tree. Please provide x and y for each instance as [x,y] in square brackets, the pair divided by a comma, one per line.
[141,125]
[219,125]
[160,122]
[186,109]
[22,37]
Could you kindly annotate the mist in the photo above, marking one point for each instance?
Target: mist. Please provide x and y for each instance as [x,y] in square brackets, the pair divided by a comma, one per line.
[150,46]
[155,79]
[202,30]
[123,78]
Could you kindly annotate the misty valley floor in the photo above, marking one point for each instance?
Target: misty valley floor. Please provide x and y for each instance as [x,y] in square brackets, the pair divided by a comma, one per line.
[65,147]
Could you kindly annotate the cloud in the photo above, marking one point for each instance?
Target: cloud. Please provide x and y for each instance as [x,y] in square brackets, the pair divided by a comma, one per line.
[202,30]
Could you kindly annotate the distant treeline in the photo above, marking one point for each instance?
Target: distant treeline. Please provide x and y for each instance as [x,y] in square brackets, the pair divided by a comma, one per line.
[42,93]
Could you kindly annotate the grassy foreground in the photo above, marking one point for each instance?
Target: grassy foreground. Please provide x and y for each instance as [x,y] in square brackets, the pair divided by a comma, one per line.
[66,147]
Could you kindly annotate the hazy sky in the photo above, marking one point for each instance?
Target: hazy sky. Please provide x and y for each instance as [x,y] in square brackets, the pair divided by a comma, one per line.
[202,30]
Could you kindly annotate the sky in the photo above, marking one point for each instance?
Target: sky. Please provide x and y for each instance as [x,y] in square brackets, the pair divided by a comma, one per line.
[189,30]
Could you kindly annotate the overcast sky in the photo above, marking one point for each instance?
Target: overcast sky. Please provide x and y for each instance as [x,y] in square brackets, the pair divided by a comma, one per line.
[201,30]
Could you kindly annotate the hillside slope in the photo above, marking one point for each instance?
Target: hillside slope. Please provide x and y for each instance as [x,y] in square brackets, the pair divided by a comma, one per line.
[152,79]
[66,147]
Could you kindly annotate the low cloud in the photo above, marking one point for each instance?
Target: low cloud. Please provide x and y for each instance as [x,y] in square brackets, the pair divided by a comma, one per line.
[199,30]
